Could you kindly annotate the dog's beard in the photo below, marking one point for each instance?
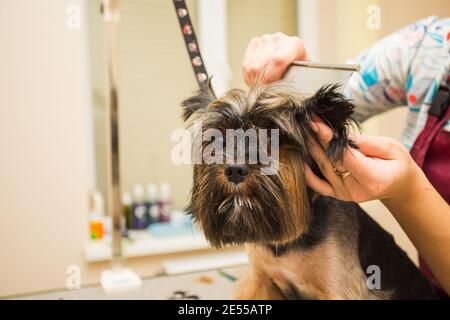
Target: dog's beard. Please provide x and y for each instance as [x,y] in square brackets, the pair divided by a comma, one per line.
[255,211]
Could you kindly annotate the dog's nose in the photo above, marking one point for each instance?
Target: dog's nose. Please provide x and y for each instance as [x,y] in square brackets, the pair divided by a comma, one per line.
[236,173]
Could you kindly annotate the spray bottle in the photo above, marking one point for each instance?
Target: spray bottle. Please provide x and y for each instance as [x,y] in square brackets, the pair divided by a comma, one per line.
[127,203]
[96,223]
[152,203]
[139,208]
[165,202]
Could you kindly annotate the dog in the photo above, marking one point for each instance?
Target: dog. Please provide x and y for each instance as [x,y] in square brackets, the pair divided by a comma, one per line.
[301,245]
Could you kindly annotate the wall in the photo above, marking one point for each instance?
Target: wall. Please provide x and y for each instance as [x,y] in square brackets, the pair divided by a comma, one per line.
[43,140]
[250,18]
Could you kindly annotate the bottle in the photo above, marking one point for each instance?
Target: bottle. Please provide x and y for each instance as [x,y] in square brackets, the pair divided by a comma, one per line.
[96,223]
[152,203]
[140,219]
[127,203]
[165,202]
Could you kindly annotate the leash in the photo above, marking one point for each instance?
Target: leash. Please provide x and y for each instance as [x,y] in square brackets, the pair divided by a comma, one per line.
[191,43]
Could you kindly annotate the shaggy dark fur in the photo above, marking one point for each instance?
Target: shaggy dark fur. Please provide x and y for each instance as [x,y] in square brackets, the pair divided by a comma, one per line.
[279,212]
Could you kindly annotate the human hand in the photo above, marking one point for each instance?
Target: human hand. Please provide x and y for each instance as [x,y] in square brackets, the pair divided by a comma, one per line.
[267,57]
[381,168]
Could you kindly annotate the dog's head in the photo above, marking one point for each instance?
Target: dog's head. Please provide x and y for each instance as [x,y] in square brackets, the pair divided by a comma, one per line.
[249,184]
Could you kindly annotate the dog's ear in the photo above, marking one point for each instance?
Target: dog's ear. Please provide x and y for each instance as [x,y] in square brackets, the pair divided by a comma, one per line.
[200,100]
[335,110]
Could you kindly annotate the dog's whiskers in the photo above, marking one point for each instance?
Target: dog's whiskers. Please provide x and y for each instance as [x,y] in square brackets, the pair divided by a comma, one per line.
[248,203]
[224,206]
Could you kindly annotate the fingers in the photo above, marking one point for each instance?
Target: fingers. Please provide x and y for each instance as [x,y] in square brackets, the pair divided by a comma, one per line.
[323,162]
[370,146]
[341,188]
[369,165]
[257,56]
[325,135]
[319,185]
[358,162]
[288,51]
[267,57]
[361,166]
[380,147]
[324,132]
[249,64]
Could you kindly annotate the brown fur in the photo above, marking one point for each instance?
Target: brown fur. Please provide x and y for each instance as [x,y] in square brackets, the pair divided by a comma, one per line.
[300,245]
[290,171]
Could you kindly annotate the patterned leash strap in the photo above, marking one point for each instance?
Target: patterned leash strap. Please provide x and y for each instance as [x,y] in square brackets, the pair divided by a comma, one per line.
[190,40]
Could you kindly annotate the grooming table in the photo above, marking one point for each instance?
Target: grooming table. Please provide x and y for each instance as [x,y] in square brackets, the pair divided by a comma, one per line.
[214,284]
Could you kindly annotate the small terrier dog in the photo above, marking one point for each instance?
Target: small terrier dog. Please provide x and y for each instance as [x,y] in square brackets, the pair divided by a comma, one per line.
[301,245]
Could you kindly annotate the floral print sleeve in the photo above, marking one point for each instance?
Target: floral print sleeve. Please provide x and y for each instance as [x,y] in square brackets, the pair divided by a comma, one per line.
[389,77]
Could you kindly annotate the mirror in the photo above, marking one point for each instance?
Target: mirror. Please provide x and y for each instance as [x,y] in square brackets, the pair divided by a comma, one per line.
[155,75]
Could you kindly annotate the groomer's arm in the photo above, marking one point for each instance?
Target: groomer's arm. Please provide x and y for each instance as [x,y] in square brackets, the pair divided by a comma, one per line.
[383,169]
[383,82]
[379,86]
[425,217]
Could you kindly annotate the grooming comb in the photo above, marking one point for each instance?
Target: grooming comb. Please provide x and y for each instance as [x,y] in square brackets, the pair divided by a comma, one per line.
[308,77]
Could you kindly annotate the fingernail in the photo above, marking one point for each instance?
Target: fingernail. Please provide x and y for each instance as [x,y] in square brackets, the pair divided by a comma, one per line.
[314,127]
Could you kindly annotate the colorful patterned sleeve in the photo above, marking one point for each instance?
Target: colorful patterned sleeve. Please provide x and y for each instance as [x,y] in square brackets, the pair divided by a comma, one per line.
[383,80]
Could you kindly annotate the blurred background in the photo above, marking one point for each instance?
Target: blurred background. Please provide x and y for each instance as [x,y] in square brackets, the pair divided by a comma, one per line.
[54,121]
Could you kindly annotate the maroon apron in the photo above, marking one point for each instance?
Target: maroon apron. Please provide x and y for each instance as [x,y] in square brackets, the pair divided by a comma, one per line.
[431,151]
